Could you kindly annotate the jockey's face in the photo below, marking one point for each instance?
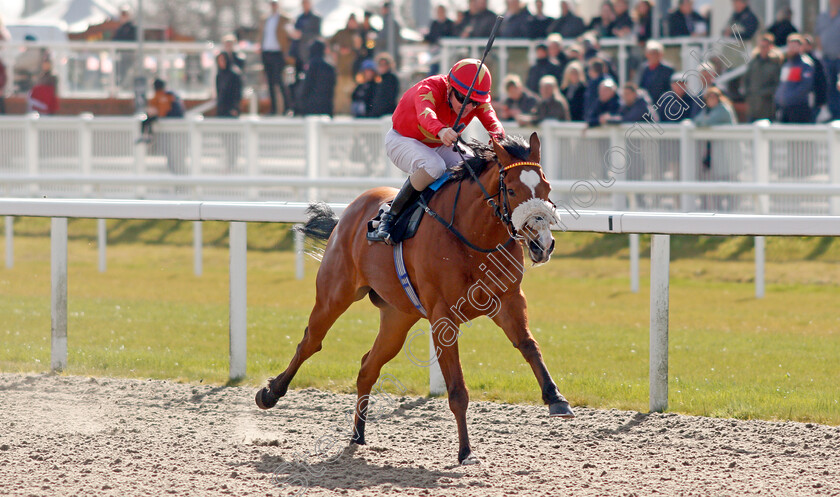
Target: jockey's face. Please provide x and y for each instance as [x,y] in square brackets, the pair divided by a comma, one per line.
[456,99]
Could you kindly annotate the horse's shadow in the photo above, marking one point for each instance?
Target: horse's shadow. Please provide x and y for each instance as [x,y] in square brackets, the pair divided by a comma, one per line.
[348,471]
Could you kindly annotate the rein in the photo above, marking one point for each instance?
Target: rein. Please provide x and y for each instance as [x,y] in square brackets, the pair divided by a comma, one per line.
[502,212]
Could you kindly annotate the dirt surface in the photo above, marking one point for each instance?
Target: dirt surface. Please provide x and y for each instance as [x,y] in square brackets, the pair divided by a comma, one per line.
[99,436]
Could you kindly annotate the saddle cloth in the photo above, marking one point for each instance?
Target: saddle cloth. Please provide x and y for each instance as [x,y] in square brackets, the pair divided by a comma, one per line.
[408,222]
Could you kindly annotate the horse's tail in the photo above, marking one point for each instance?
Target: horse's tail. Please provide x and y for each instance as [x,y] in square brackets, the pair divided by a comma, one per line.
[317,229]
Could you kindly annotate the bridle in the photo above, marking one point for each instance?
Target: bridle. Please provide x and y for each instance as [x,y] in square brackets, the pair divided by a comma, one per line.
[502,211]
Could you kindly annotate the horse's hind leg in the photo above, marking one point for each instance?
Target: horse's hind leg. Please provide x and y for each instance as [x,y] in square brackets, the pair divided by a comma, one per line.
[333,296]
[393,328]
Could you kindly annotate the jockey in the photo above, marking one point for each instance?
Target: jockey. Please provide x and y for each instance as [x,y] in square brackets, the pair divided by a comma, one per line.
[422,138]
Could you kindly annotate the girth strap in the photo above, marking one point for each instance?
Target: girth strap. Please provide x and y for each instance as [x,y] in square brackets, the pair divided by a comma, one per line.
[402,274]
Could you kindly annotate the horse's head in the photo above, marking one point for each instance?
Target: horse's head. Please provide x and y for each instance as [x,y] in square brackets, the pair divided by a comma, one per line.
[524,191]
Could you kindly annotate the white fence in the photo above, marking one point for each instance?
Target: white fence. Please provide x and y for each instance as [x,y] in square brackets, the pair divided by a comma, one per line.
[87,156]
[662,225]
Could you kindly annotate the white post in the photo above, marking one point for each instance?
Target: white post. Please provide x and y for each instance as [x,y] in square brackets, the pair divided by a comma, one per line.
[623,47]
[759,267]
[437,385]
[10,241]
[252,152]
[238,299]
[313,143]
[32,140]
[688,169]
[660,255]
[102,242]
[58,294]
[634,262]
[195,144]
[86,148]
[619,200]
[299,255]
[834,165]
[139,158]
[198,245]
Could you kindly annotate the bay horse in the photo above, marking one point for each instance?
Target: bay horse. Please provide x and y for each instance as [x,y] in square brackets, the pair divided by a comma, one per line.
[444,261]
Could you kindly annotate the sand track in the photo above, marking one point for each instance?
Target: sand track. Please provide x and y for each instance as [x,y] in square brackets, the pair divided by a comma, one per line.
[64,435]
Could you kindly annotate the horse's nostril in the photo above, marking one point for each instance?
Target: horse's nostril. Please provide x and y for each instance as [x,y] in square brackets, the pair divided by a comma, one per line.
[551,248]
[534,246]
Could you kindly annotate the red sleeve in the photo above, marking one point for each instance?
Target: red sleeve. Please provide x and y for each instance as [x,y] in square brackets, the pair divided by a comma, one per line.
[487,116]
[425,103]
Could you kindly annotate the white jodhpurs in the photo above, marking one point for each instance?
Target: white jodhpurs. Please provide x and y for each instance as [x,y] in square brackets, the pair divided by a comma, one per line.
[411,155]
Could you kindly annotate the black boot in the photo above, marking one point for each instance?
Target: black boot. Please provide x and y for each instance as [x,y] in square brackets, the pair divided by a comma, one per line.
[406,196]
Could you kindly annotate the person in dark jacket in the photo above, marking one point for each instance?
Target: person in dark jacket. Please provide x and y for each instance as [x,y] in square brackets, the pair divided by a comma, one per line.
[318,85]
[599,24]
[743,20]
[605,106]
[643,27]
[622,24]
[568,25]
[361,101]
[793,96]
[820,75]
[480,20]
[573,87]
[597,73]
[551,105]
[441,27]
[762,79]
[127,31]
[655,76]
[542,67]
[685,21]
[678,105]
[635,105]
[782,28]
[387,90]
[519,99]
[228,86]
[539,23]
[516,19]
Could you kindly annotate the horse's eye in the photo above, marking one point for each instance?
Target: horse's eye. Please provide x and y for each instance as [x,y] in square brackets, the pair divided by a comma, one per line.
[511,192]
[539,218]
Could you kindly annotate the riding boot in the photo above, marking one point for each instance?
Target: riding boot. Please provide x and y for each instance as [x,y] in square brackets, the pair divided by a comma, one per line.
[406,196]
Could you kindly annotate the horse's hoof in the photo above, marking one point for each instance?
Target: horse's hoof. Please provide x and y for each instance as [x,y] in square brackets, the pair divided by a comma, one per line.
[561,410]
[266,399]
[470,460]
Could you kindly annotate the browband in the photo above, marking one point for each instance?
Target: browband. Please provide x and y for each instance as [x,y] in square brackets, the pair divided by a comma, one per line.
[518,164]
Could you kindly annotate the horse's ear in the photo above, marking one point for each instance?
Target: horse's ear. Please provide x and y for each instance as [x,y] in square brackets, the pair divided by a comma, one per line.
[535,148]
[501,154]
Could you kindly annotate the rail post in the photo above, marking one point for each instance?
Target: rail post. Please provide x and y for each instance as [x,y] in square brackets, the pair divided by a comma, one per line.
[299,255]
[198,246]
[86,148]
[761,165]
[102,242]
[834,165]
[10,241]
[238,299]
[634,262]
[688,162]
[660,255]
[58,293]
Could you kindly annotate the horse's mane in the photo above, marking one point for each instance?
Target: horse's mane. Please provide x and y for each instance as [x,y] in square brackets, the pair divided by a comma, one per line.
[483,153]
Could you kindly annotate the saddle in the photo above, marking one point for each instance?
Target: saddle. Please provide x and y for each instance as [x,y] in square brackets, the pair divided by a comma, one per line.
[409,221]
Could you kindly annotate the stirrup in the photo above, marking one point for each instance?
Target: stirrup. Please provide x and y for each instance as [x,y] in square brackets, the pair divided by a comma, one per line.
[380,234]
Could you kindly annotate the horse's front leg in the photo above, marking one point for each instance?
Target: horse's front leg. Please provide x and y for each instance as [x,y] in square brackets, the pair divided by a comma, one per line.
[513,319]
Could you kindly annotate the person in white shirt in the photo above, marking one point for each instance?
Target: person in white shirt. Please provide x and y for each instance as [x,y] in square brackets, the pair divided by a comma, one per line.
[274,43]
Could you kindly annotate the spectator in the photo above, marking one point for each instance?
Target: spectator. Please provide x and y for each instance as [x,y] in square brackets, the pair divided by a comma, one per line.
[717,109]
[655,76]
[228,86]
[762,79]
[387,90]
[362,98]
[568,25]
[794,94]
[519,99]
[575,52]
[597,72]
[685,21]
[229,47]
[27,66]
[515,23]
[606,105]
[274,44]
[643,25]
[554,42]
[345,44]
[635,104]
[43,97]
[782,28]
[573,88]
[126,32]
[743,20]
[539,23]
[462,21]
[600,24]
[622,25]
[678,104]
[718,159]
[389,20]
[307,29]
[480,20]
[592,49]
[164,105]
[368,34]
[820,78]
[828,40]
[4,36]
[441,27]
[319,83]
[552,104]
[542,67]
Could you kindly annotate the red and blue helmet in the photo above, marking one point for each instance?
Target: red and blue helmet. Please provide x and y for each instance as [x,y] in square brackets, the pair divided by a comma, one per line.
[461,77]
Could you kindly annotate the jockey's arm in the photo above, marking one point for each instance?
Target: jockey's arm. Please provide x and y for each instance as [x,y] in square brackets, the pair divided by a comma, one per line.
[424,104]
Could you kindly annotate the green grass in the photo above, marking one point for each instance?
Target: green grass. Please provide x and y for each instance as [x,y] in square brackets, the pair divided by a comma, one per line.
[732,355]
